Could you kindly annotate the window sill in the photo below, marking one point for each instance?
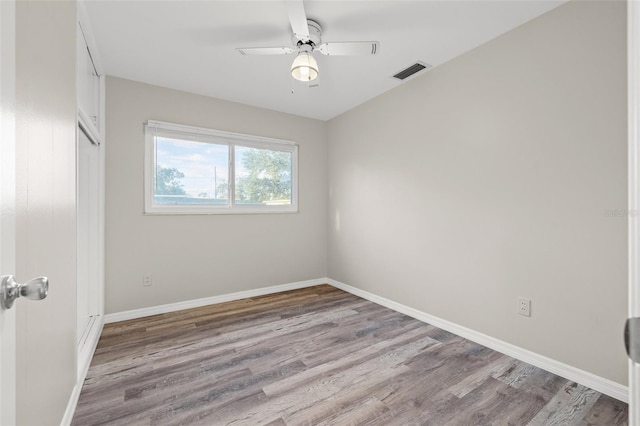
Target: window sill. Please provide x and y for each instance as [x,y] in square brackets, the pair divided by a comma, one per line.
[220,211]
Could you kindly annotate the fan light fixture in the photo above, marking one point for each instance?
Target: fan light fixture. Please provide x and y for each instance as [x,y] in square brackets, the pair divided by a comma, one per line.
[304,67]
[306,39]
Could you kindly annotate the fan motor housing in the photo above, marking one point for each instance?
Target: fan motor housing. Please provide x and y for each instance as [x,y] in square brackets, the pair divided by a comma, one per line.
[315,33]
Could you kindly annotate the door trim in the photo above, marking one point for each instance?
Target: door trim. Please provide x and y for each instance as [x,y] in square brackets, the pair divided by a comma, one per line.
[633,64]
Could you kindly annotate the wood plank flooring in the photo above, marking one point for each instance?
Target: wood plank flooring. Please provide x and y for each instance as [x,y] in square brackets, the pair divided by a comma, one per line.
[318,356]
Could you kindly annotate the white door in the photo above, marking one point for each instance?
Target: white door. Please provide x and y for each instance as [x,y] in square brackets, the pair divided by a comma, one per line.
[43,367]
[7,203]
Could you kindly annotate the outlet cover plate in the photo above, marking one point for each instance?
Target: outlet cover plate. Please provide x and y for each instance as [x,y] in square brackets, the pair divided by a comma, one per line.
[524,306]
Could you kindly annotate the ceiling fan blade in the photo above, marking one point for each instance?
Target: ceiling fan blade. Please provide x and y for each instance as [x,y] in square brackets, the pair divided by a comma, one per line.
[349,48]
[298,19]
[265,50]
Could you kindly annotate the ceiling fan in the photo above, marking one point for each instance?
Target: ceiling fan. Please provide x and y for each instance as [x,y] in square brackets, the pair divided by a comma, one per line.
[307,39]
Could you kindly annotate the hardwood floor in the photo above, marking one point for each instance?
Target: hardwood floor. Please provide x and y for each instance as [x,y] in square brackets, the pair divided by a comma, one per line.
[318,356]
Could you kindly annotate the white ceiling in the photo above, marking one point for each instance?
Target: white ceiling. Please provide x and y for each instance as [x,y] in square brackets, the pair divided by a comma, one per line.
[191,45]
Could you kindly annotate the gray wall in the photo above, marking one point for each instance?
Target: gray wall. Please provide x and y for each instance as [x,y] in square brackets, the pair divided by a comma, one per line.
[195,256]
[489,178]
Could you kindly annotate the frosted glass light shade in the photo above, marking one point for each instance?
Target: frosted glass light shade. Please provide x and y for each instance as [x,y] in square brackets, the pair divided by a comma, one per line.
[304,67]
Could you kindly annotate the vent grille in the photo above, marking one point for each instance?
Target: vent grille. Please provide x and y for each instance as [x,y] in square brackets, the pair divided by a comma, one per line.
[413,69]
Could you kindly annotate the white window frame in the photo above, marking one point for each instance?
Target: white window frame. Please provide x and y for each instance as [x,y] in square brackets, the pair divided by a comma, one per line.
[154,128]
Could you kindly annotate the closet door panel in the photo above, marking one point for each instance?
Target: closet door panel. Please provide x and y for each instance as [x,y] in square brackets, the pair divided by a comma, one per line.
[88,232]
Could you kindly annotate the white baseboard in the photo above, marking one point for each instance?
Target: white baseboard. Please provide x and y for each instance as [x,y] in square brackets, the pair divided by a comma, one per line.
[600,384]
[196,303]
[84,361]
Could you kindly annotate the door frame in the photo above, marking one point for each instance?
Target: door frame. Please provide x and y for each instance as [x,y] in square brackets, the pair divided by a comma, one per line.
[633,90]
[7,206]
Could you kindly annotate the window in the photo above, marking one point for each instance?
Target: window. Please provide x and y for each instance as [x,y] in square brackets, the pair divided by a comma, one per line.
[194,170]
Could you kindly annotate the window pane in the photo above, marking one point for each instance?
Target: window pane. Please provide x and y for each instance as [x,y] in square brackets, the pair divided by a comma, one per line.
[188,172]
[263,176]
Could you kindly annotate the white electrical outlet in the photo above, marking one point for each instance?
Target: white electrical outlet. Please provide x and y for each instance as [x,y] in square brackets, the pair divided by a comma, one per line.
[524,306]
[147,281]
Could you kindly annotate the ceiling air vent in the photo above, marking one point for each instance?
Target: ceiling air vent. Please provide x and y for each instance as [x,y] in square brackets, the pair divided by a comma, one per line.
[413,69]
